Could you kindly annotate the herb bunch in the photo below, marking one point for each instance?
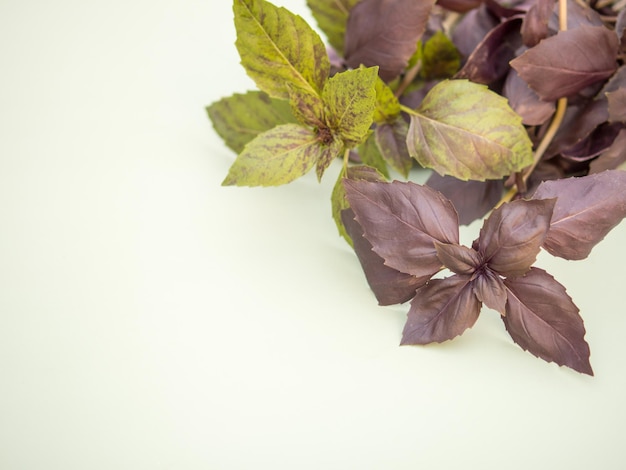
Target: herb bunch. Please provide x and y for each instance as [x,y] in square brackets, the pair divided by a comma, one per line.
[518,108]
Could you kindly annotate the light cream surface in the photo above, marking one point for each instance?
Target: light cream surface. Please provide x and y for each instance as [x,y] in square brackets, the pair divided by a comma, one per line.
[152,319]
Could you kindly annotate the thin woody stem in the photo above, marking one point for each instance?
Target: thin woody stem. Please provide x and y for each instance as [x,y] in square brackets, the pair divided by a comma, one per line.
[408,78]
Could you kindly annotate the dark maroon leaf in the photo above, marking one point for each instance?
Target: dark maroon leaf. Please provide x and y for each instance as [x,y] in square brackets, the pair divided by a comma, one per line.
[564,64]
[598,142]
[458,258]
[620,27]
[578,124]
[460,6]
[471,199]
[525,101]
[543,320]
[388,285]
[586,209]
[385,33]
[441,310]
[545,171]
[490,290]
[413,99]
[511,237]
[402,221]
[578,14]
[490,60]
[472,28]
[391,141]
[507,9]
[613,157]
[338,199]
[617,105]
[617,81]
[535,26]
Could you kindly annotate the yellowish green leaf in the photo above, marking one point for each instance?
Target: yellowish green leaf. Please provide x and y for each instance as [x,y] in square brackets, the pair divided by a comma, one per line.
[276,157]
[387,104]
[331,17]
[465,130]
[440,57]
[328,152]
[308,108]
[241,117]
[350,99]
[371,156]
[278,48]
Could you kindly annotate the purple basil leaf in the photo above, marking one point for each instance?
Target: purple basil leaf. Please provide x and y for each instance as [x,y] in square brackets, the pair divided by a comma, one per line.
[388,285]
[613,157]
[578,15]
[413,99]
[441,310]
[490,60]
[543,320]
[507,9]
[564,64]
[525,101]
[490,290]
[617,81]
[587,208]
[599,141]
[338,199]
[511,237]
[385,33]
[617,105]
[535,26]
[620,27]
[472,28]
[458,258]
[579,122]
[471,199]
[460,6]
[402,221]
[545,171]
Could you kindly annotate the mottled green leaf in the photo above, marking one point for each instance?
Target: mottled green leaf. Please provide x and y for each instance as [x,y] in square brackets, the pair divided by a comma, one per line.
[331,17]
[308,108]
[440,57]
[465,130]
[371,156]
[328,152]
[276,157]
[241,117]
[338,197]
[391,140]
[278,48]
[350,98]
[387,104]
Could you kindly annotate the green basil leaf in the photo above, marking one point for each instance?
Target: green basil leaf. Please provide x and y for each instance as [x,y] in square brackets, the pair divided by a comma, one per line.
[332,17]
[350,100]
[239,118]
[465,130]
[278,48]
[276,157]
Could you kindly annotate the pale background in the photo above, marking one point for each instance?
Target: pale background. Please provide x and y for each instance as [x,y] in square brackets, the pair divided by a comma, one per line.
[152,319]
